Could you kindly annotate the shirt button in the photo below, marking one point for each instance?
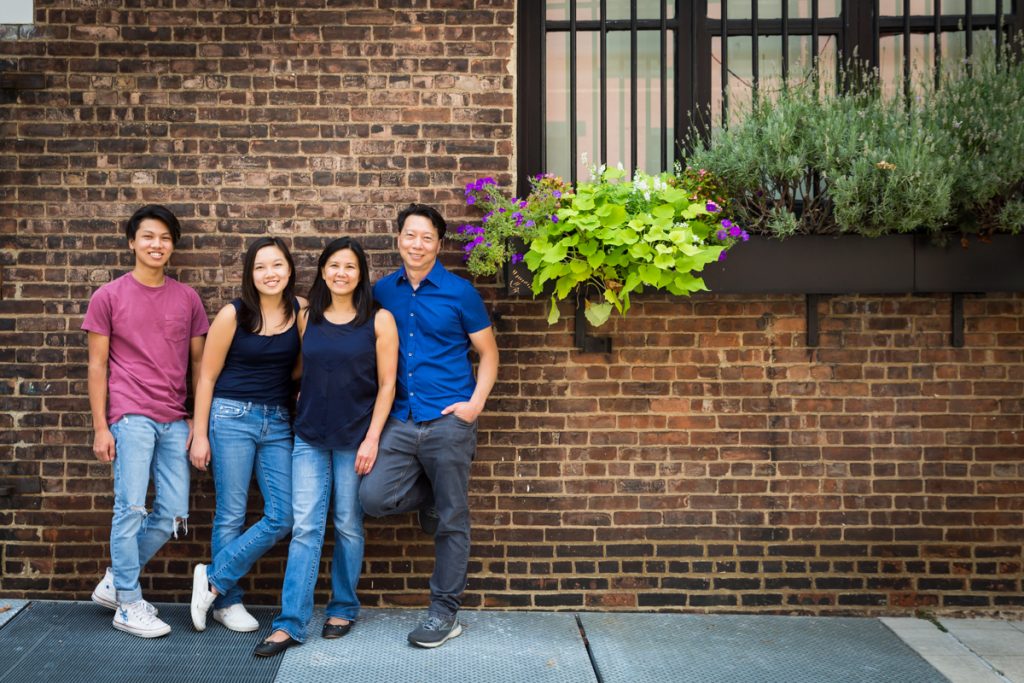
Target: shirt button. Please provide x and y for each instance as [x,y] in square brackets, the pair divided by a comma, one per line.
[410,334]
[410,374]
[410,353]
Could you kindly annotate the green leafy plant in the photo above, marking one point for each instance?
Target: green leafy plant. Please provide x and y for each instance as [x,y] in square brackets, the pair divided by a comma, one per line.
[613,237]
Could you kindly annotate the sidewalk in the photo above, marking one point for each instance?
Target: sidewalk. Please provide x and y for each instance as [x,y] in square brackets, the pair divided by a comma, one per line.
[56,641]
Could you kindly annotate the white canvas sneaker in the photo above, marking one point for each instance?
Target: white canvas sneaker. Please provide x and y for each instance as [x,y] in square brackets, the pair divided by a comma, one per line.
[236,618]
[105,594]
[134,618]
[202,597]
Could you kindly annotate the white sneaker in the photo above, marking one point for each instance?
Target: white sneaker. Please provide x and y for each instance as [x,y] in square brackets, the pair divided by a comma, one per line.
[134,618]
[236,618]
[202,597]
[105,594]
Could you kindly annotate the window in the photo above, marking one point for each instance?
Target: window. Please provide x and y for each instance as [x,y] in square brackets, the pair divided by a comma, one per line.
[16,12]
[622,81]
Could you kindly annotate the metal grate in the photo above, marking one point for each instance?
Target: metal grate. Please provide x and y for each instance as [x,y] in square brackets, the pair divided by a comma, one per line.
[495,647]
[66,641]
[688,648]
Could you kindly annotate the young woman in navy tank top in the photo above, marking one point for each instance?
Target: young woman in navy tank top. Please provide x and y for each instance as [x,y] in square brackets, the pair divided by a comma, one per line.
[242,424]
[349,361]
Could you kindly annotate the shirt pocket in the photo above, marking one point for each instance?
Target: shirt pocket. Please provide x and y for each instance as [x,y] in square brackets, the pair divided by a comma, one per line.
[175,328]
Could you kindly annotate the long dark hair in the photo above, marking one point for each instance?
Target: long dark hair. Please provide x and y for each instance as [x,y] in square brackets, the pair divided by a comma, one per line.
[320,294]
[250,316]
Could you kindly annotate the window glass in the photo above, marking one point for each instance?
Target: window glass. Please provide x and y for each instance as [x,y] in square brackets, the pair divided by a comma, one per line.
[772,9]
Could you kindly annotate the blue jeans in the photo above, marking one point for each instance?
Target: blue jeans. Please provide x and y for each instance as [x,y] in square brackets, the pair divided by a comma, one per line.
[145,449]
[427,463]
[316,474]
[244,436]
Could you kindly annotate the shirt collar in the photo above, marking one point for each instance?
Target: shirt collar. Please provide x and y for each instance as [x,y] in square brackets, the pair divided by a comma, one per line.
[435,276]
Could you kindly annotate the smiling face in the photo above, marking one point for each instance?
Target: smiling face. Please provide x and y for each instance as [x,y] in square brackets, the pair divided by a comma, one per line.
[418,244]
[341,272]
[153,244]
[270,271]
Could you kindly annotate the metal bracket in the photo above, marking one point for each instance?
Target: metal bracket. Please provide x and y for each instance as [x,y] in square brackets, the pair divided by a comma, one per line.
[956,323]
[812,319]
[585,342]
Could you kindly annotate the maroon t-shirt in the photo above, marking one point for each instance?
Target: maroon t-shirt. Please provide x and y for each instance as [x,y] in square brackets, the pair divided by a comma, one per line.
[150,329]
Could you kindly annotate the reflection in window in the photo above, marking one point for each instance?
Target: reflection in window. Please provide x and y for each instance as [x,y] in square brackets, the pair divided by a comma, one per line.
[605,130]
[739,94]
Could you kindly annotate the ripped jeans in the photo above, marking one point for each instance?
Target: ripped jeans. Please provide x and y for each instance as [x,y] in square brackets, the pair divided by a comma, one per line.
[145,449]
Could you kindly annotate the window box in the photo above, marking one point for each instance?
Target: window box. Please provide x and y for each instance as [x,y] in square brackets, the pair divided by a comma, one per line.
[849,264]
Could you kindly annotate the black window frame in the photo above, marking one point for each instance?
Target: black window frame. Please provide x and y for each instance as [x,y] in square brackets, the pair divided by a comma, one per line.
[858,28]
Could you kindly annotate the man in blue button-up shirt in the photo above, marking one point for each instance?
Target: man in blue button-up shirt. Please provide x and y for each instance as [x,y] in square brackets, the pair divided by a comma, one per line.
[428,445]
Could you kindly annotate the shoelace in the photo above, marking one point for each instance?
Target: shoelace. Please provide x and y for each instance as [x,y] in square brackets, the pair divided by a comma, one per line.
[433,624]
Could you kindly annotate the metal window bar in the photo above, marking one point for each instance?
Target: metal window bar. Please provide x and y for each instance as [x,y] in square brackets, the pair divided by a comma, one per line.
[969,30]
[725,63]
[908,99]
[814,43]
[755,71]
[937,45]
[663,80]
[999,29]
[573,152]
[603,85]
[634,125]
[785,43]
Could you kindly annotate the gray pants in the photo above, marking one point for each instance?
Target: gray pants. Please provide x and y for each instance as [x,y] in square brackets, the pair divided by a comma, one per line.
[421,464]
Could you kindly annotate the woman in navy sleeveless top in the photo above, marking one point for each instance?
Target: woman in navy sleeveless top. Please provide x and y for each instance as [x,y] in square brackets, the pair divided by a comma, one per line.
[349,361]
[242,423]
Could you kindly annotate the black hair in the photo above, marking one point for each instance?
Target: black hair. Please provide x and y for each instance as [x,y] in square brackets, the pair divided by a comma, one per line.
[428,212]
[250,315]
[320,294]
[160,213]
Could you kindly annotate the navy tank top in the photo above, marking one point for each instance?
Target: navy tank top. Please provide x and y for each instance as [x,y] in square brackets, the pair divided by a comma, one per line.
[339,384]
[258,368]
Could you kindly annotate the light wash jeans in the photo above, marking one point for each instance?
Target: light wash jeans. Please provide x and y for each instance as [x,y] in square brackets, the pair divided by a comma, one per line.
[316,474]
[145,449]
[427,463]
[246,436]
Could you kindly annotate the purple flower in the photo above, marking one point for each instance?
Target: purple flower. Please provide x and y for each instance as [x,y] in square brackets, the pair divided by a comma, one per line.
[711,207]
[734,231]
[745,236]
[530,224]
[721,257]
[554,218]
[523,204]
[516,258]
[720,235]
[556,194]
[470,200]
[540,176]
[726,223]
[487,216]
[501,209]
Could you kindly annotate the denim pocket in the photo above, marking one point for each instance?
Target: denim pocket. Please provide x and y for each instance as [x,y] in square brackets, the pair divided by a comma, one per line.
[462,423]
[228,411]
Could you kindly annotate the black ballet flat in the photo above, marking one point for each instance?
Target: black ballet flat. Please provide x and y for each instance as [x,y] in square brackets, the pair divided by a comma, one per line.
[269,648]
[332,631]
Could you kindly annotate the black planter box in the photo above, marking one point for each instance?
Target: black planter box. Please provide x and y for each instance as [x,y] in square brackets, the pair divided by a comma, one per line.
[851,264]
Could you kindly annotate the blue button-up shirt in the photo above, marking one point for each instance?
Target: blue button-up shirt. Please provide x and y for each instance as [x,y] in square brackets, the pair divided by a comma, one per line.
[434,323]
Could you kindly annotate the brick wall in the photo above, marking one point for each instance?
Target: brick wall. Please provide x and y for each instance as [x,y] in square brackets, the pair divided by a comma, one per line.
[710,462]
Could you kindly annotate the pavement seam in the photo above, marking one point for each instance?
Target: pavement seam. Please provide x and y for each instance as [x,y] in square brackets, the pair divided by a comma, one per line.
[977,656]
